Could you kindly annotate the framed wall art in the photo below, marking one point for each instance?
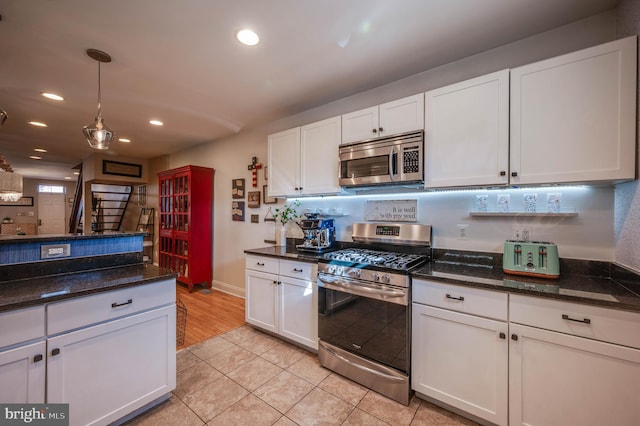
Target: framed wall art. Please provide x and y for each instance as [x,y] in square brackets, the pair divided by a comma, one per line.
[265,198]
[23,201]
[237,189]
[118,168]
[237,211]
[253,199]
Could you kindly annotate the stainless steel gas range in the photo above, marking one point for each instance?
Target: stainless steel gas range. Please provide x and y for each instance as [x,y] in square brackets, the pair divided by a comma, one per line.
[364,301]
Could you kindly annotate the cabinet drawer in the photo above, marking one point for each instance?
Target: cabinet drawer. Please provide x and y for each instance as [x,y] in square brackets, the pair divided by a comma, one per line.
[608,325]
[21,325]
[263,264]
[474,301]
[302,270]
[83,311]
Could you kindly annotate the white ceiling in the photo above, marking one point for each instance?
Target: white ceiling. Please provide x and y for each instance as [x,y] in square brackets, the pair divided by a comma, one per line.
[178,61]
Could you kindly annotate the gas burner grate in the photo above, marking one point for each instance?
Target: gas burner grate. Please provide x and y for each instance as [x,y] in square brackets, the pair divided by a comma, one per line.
[385,259]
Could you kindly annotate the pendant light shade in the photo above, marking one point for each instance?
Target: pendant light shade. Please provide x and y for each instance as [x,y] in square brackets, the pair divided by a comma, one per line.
[10,182]
[97,133]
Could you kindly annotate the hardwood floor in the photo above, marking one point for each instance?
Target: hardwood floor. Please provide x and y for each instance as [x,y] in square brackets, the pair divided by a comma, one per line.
[209,313]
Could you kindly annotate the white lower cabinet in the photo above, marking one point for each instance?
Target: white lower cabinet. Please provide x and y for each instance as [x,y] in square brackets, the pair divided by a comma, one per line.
[557,378]
[23,374]
[106,355]
[106,371]
[283,300]
[458,358]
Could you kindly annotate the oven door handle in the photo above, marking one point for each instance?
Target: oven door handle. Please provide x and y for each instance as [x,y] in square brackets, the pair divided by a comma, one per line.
[390,377]
[335,283]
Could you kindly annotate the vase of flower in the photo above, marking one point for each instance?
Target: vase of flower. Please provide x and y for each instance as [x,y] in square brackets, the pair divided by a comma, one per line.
[284,215]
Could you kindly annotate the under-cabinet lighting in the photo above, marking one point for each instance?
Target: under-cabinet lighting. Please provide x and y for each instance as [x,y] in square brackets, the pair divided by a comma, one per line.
[156,122]
[38,124]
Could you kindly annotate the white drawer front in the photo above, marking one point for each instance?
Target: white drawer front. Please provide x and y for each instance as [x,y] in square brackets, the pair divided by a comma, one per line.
[21,325]
[83,311]
[474,301]
[302,270]
[608,325]
[262,264]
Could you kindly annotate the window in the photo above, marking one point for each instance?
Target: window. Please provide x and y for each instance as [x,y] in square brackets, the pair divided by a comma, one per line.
[51,189]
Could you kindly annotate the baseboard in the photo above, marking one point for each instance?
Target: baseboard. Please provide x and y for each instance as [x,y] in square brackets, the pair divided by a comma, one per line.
[228,288]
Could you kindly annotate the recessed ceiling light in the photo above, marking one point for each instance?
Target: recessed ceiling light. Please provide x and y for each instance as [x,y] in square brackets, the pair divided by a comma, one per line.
[35,157]
[40,150]
[124,140]
[156,122]
[53,96]
[37,124]
[67,177]
[247,37]
[76,173]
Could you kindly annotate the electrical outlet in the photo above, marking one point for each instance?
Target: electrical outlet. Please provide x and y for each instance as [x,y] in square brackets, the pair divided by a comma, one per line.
[462,231]
[516,234]
[523,233]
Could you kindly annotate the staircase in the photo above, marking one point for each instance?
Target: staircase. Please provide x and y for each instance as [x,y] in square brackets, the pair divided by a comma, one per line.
[108,204]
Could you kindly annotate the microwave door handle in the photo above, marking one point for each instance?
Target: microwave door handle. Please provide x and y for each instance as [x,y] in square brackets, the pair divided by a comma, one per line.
[392,163]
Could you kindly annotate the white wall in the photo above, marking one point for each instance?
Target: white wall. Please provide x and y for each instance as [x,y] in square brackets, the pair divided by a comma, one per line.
[589,236]
[627,196]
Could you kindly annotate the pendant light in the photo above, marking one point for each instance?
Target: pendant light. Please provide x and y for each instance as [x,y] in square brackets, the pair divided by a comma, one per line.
[97,133]
[10,182]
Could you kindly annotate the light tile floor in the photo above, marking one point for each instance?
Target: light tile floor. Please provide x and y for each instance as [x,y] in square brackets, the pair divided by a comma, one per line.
[246,377]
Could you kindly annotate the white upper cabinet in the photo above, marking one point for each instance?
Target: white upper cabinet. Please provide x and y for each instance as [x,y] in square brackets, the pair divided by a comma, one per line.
[284,162]
[304,160]
[467,133]
[399,116]
[319,157]
[573,117]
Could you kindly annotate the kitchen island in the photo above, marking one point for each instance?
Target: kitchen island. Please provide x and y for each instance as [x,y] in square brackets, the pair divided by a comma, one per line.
[86,323]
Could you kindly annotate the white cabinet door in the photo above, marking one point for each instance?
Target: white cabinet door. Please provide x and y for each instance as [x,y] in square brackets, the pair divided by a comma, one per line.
[284,163]
[22,374]
[319,157]
[399,116]
[559,379]
[109,370]
[402,115]
[573,117]
[299,311]
[467,133]
[360,125]
[261,303]
[461,360]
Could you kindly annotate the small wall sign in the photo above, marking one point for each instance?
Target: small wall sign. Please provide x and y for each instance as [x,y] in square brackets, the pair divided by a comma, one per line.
[237,189]
[392,210]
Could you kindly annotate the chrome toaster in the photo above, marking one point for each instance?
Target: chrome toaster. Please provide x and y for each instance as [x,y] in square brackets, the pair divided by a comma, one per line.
[531,258]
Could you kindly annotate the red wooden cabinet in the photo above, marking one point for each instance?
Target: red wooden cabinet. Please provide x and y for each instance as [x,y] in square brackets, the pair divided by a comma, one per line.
[186,223]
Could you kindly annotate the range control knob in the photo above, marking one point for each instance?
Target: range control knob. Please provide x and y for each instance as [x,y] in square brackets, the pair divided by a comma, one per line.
[375,277]
[386,278]
[340,270]
[331,269]
[355,273]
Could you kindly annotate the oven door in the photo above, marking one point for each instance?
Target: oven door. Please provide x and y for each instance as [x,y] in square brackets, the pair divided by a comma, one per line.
[370,321]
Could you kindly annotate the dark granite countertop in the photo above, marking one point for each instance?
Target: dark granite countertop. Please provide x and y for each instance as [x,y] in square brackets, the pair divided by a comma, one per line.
[35,291]
[285,252]
[12,239]
[590,282]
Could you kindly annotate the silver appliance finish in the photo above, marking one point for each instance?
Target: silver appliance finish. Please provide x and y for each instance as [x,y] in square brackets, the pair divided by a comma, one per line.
[363,354]
[411,234]
[391,160]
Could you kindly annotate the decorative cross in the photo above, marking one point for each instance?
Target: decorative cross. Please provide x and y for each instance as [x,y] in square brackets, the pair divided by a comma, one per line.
[254,167]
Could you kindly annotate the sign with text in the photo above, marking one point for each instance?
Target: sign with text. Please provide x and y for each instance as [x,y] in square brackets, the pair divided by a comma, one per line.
[34,414]
[392,210]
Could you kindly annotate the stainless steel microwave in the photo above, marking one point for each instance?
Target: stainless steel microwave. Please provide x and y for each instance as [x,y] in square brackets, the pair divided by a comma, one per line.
[392,160]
